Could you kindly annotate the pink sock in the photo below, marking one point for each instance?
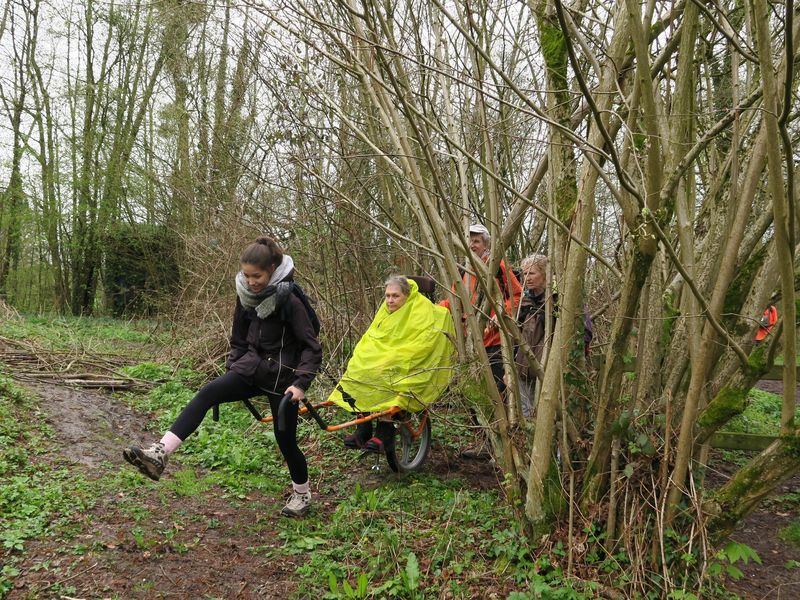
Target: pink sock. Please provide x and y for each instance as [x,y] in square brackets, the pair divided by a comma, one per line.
[301,488]
[171,442]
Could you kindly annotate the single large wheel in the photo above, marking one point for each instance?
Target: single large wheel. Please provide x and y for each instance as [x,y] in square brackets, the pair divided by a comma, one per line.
[411,442]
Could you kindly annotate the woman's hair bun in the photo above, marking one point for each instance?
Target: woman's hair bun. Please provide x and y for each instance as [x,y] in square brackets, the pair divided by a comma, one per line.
[264,252]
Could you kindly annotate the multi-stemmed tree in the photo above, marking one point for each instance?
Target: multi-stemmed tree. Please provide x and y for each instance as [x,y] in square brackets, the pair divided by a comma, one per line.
[647,148]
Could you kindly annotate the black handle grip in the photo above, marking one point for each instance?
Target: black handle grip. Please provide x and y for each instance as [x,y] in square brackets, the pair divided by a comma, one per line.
[313,411]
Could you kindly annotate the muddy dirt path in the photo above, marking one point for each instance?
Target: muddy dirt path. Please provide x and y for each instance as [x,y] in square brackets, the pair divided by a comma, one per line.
[91,425]
[143,542]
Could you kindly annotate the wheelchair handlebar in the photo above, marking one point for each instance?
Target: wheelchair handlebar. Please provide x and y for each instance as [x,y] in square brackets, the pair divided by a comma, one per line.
[310,407]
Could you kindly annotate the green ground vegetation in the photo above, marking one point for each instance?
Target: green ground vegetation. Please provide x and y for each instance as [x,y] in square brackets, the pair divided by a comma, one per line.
[762,415]
[791,533]
[420,535]
[92,335]
[37,498]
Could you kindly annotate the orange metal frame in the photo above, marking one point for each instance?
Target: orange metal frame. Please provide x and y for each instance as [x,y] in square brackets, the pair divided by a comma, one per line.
[386,413]
[415,432]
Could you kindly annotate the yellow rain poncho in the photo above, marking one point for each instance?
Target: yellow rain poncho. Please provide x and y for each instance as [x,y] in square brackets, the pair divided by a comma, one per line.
[404,359]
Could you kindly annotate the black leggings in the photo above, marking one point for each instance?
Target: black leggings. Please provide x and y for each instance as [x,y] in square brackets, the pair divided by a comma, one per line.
[231,387]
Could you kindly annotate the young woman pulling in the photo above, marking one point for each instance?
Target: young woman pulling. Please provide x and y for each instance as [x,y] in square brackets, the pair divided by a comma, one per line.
[274,351]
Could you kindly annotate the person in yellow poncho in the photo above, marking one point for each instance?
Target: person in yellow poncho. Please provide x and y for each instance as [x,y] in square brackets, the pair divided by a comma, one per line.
[405,359]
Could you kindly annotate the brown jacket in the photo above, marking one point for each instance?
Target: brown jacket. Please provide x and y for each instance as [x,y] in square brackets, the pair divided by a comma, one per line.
[532,320]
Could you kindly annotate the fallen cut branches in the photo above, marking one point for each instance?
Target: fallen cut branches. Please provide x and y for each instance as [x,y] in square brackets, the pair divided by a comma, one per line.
[31,362]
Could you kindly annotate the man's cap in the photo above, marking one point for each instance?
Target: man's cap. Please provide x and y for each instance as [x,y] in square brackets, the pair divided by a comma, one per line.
[478,228]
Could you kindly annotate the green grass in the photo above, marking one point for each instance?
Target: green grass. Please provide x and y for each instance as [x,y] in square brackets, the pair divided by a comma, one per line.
[787,501]
[413,534]
[779,360]
[36,498]
[92,335]
[762,415]
[791,533]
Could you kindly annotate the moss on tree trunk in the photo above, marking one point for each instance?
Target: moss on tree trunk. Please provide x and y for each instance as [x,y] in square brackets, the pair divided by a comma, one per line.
[740,496]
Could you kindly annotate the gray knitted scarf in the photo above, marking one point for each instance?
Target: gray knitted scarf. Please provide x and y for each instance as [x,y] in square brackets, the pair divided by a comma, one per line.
[267,300]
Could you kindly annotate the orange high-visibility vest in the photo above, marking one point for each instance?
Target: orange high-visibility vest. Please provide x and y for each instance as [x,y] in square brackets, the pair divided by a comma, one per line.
[767,322]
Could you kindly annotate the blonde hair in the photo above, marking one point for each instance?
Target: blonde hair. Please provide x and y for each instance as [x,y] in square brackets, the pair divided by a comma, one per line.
[538,262]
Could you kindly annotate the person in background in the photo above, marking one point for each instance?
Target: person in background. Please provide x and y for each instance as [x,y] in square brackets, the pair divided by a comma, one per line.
[767,322]
[533,309]
[274,351]
[480,243]
[531,317]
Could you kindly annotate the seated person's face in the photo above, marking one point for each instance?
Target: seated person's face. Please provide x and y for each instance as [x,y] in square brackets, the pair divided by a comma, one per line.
[477,244]
[394,297]
[534,280]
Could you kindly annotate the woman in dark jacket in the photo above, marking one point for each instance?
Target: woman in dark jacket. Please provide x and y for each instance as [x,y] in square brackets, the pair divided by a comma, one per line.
[274,351]
[533,311]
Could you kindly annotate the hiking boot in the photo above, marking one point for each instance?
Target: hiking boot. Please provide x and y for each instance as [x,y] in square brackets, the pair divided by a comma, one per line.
[150,461]
[298,505]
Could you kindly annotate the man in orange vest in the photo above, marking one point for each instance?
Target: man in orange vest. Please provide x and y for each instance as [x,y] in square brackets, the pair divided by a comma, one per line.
[480,243]
[768,320]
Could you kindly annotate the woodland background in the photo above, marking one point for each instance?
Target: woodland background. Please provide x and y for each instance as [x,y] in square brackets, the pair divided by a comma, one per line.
[649,148]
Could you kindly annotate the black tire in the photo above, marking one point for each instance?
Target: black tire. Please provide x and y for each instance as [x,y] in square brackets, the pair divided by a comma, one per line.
[412,442]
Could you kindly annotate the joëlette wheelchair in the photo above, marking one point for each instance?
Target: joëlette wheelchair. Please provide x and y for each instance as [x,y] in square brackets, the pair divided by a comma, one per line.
[405,451]
[407,448]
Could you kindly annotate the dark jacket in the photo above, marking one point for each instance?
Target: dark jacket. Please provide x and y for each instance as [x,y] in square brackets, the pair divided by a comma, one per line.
[532,319]
[272,353]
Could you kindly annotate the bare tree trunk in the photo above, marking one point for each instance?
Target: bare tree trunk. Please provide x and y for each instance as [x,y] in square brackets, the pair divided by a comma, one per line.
[13,199]
[182,183]
[781,201]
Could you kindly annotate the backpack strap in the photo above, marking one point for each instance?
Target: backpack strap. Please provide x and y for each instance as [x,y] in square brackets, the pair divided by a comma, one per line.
[312,314]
